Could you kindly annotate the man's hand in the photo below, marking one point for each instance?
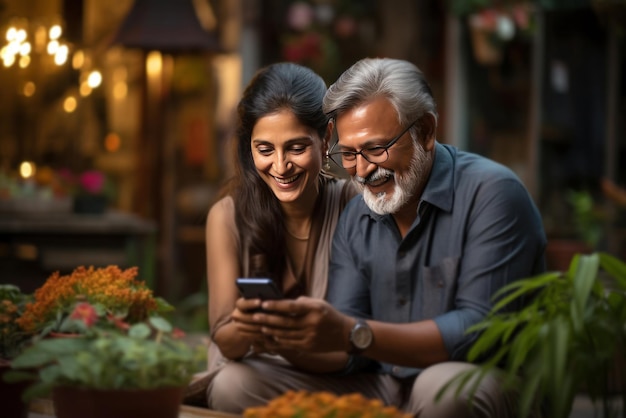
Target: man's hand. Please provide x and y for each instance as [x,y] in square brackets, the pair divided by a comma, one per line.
[304,324]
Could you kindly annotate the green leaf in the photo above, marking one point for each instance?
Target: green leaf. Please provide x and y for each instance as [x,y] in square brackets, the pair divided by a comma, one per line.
[615,268]
[523,287]
[161,324]
[13,376]
[38,390]
[45,351]
[585,276]
[139,331]
[524,343]
[163,306]
[51,373]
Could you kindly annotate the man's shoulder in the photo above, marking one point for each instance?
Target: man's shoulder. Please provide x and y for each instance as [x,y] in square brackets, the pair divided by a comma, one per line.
[475,167]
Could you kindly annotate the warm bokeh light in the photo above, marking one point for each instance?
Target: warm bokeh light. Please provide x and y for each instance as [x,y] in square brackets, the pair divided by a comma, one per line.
[29,89]
[78,60]
[69,104]
[60,57]
[154,63]
[53,47]
[11,34]
[112,142]
[13,48]
[8,60]
[120,90]
[94,79]
[41,34]
[85,90]
[55,32]
[27,169]
[20,35]
[25,48]
[24,61]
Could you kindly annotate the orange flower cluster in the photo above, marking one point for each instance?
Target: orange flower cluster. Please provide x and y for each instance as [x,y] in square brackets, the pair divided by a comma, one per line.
[116,290]
[323,405]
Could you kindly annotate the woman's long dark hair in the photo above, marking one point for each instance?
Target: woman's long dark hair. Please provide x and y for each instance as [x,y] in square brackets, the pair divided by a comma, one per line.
[257,210]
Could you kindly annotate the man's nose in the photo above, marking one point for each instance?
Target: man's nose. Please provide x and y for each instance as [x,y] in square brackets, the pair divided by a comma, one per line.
[363,167]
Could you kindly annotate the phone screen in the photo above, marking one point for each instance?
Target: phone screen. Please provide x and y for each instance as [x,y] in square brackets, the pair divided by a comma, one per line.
[258,288]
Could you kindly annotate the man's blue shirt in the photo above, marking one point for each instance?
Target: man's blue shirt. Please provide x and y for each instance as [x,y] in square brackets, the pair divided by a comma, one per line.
[477,230]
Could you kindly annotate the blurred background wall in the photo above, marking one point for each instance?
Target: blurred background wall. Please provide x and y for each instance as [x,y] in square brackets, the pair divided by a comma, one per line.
[536,85]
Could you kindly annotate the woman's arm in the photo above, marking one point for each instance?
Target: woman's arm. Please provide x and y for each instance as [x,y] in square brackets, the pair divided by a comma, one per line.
[222,270]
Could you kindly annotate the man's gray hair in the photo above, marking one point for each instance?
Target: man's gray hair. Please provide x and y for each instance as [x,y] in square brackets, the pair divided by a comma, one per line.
[401,82]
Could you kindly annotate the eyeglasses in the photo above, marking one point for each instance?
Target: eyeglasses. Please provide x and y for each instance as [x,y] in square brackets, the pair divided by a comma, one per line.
[375,155]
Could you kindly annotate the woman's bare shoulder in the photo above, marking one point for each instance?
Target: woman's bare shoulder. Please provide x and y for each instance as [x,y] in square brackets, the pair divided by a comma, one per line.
[222,212]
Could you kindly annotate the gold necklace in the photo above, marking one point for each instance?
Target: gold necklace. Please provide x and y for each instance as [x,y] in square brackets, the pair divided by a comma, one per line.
[296,236]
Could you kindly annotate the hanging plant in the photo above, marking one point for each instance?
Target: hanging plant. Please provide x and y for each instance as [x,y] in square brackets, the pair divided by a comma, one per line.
[493,24]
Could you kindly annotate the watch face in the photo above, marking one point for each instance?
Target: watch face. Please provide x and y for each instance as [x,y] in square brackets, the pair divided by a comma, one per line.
[361,336]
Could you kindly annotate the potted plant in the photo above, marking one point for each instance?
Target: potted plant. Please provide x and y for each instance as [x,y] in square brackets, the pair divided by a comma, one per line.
[12,341]
[117,292]
[569,338]
[581,235]
[110,368]
[304,404]
[91,190]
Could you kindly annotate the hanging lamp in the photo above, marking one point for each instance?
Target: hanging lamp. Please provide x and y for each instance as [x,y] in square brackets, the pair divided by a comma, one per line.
[165,25]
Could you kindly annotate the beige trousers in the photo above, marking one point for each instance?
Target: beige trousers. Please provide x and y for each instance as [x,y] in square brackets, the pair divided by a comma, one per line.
[256,380]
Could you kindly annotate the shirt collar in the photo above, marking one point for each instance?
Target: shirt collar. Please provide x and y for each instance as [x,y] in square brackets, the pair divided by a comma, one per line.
[439,190]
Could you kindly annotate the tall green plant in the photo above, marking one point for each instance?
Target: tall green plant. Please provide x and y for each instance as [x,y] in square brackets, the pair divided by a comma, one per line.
[566,340]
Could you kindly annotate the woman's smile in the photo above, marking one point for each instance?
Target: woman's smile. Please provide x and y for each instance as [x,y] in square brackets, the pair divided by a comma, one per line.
[286,181]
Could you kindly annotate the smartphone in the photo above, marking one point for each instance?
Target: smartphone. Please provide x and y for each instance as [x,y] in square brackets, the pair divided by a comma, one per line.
[259,288]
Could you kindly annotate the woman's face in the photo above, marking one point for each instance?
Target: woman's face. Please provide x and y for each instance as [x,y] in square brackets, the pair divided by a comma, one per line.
[287,156]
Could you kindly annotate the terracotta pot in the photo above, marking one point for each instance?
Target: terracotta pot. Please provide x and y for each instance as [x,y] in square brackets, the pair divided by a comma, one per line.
[70,402]
[559,253]
[11,404]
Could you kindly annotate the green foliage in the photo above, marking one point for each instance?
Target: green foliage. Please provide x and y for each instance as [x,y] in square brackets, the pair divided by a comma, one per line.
[145,355]
[567,338]
[191,313]
[588,218]
[12,336]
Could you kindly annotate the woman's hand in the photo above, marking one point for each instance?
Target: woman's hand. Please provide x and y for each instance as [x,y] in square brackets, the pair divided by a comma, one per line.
[248,325]
[242,316]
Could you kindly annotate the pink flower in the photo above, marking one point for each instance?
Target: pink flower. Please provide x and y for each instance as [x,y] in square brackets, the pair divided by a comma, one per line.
[300,15]
[124,326]
[486,19]
[178,333]
[86,313]
[92,181]
[520,16]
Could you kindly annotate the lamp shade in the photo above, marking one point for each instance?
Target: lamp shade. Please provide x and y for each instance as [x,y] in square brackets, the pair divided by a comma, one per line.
[165,25]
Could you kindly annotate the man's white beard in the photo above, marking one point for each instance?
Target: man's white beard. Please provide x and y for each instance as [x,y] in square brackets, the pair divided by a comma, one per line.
[404,185]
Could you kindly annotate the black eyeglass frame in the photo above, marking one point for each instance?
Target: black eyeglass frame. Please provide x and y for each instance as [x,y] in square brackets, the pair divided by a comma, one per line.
[385,150]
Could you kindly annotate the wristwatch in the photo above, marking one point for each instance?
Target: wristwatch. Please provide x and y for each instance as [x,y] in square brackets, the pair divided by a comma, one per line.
[361,337]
